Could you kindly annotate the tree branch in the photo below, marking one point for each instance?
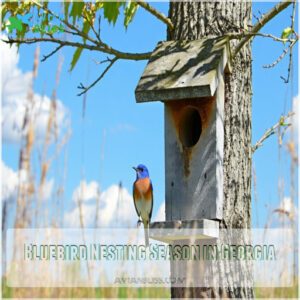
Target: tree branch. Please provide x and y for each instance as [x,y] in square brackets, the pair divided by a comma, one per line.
[97,34]
[272,130]
[283,54]
[102,61]
[85,89]
[233,35]
[45,57]
[88,43]
[156,13]
[69,25]
[104,49]
[261,23]
[286,80]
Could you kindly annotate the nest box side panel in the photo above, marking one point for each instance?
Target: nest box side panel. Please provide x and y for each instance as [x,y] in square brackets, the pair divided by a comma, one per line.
[194,175]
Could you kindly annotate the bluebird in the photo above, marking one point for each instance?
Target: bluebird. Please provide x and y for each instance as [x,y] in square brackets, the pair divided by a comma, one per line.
[143,198]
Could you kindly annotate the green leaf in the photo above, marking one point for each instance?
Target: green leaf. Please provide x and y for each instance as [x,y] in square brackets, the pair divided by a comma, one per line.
[54,29]
[286,33]
[35,28]
[86,27]
[15,23]
[129,12]
[112,11]
[45,20]
[98,4]
[66,9]
[21,33]
[75,58]
[61,28]
[76,10]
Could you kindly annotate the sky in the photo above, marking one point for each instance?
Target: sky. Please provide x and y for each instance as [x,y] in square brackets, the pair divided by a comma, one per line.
[116,133]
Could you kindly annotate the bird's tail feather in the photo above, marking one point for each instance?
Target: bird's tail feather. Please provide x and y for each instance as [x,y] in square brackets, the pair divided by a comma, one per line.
[146,231]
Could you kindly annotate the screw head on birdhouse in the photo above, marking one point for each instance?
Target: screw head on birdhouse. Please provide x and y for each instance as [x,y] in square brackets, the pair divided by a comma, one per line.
[188,76]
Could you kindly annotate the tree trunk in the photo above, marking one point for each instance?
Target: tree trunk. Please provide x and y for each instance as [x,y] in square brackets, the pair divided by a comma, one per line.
[195,20]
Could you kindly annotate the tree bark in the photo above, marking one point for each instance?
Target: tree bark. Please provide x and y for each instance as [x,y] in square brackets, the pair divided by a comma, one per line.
[195,20]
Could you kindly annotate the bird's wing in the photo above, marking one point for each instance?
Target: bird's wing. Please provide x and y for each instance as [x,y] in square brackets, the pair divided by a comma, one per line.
[150,215]
[133,193]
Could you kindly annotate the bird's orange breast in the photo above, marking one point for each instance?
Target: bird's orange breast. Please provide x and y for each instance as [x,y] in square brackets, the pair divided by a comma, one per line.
[142,189]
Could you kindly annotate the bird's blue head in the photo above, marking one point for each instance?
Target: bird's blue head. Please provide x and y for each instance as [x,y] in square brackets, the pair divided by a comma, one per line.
[141,171]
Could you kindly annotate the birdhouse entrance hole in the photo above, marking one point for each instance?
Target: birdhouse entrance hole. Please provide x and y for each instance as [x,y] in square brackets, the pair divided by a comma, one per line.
[190,126]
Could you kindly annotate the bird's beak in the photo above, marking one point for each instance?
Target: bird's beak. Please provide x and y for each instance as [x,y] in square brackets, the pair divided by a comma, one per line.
[135,169]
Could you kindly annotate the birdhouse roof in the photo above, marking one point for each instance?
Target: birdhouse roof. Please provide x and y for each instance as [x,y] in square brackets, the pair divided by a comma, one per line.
[184,69]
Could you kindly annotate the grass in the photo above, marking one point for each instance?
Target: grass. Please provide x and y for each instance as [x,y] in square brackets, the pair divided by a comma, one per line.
[124,292]
[121,293]
[277,292]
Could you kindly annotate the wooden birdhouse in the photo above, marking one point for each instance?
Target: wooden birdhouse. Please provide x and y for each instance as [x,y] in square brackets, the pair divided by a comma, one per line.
[188,77]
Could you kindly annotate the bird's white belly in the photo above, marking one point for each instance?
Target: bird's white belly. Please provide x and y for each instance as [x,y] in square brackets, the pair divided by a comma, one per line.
[144,208]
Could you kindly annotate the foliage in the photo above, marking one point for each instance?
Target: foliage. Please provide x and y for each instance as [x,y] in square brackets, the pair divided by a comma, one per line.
[286,33]
[75,58]
[34,18]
